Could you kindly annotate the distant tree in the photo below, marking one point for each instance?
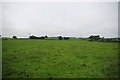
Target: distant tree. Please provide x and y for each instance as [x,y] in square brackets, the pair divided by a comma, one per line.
[94,38]
[46,36]
[32,37]
[60,37]
[66,38]
[42,37]
[14,37]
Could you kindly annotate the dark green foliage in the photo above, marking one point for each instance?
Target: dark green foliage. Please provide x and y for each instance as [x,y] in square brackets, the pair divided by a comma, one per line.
[94,38]
[60,37]
[34,37]
[42,37]
[97,38]
[46,36]
[66,38]
[14,37]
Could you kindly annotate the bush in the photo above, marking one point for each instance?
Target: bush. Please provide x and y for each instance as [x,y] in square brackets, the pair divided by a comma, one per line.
[66,38]
[94,38]
[60,37]
[34,37]
[14,37]
[46,36]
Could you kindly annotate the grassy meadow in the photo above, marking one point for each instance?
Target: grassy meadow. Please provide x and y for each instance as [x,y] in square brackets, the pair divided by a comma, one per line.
[74,58]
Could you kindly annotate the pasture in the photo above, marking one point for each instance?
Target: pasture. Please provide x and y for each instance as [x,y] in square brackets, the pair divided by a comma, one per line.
[74,58]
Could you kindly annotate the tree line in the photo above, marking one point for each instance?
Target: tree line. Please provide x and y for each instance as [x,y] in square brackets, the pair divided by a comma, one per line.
[45,37]
[35,37]
[90,38]
[102,39]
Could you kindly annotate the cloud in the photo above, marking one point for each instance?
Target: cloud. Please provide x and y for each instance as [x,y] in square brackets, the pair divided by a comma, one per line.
[66,19]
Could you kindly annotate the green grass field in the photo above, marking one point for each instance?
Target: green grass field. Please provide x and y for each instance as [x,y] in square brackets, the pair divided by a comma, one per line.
[59,59]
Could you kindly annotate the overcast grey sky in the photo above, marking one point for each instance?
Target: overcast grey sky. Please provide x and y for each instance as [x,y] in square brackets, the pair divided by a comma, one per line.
[80,19]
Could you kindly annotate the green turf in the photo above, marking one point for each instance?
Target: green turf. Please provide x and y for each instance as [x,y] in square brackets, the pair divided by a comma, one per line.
[59,59]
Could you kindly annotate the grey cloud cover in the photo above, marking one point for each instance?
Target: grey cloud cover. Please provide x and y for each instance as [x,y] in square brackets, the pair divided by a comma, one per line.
[60,18]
